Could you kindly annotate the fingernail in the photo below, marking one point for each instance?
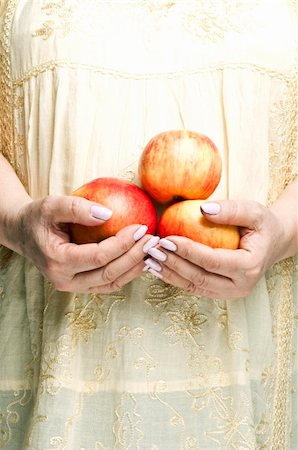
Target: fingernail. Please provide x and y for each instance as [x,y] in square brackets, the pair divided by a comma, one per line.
[154,272]
[168,245]
[151,243]
[153,264]
[157,254]
[210,208]
[100,212]
[140,232]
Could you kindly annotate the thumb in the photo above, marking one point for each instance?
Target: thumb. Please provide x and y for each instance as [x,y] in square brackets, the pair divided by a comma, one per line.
[72,209]
[248,214]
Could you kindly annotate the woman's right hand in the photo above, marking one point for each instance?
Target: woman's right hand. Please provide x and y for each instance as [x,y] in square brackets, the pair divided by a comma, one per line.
[40,233]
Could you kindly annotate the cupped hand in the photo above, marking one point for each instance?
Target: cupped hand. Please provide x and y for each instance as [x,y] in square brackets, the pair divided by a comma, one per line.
[40,234]
[220,273]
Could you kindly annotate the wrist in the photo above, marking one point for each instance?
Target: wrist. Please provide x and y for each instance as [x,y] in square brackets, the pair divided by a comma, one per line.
[11,223]
[285,212]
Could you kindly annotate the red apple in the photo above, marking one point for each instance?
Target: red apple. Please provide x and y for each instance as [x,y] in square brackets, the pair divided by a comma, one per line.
[185,219]
[129,203]
[180,164]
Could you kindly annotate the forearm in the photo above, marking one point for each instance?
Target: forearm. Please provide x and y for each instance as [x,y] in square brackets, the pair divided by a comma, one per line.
[286,210]
[13,197]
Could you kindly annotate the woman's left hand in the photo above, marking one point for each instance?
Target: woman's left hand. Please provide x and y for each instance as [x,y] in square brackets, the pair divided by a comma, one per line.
[219,273]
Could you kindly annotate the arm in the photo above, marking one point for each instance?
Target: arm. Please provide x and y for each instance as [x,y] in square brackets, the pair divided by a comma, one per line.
[13,197]
[37,229]
[285,208]
[268,235]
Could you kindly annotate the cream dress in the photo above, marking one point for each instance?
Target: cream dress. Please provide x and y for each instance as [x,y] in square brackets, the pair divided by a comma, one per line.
[84,85]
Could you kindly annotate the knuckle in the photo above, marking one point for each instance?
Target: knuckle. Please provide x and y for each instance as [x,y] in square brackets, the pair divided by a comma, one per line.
[258,212]
[55,274]
[100,259]
[75,206]
[61,286]
[211,264]
[191,288]
[233,211]
[135,257]
[198,280]
[47,205]
[186,250]
[116,285]
[51,270]
[108,275]
[124,245]
[173,262]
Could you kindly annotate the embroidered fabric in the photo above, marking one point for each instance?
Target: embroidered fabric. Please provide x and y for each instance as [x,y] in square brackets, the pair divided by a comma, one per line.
[87,83]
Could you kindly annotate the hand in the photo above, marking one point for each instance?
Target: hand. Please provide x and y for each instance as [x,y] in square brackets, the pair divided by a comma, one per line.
[40,234]
[219,273]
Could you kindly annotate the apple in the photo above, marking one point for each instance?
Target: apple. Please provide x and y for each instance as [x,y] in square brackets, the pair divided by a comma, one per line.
[180,164]
[129,203]
[185,219]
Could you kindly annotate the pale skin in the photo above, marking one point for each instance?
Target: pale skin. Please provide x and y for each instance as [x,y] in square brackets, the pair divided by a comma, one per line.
[267,236]
[38,231]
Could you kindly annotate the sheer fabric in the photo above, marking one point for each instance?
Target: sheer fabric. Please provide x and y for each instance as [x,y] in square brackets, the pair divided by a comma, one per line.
[84,85]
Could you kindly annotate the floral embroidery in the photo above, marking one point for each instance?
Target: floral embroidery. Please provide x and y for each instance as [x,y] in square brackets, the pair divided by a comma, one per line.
[209,20]
[60,19]
[126,427]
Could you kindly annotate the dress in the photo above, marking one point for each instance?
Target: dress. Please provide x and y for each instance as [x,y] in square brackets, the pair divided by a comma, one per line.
[84,85]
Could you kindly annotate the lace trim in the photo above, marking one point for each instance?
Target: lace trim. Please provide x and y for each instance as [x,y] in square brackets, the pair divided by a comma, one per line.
[283,168]
[6,100]
[6,90]
[35,71]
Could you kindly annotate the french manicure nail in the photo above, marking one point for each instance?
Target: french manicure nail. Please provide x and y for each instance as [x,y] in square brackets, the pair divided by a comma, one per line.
[154,272]
[100,212]
[210,208]
[140,232]
[151,243]
[153,264]
[157,254]
[168,245]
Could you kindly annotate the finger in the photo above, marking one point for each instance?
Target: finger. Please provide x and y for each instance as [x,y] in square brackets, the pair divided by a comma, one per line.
[86,257]
[247,214]
[220,261]
[112,271]
[171,277]
[197,276]
[120,282]
[72,209]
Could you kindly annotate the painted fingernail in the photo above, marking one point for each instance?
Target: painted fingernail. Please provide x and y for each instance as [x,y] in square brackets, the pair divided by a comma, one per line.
[210,208]
[157,274]
[153,264]
[100,212]
[140,232]
[151,243]
[168,245]
[157,254]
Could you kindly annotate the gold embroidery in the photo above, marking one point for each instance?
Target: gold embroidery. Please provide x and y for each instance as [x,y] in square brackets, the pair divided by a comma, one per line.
[6,92]
[126,428]
[60,14]
[10,417]
[284,325]
[53,65]
[283,155]
[6,99]
[280,281]
[210,20]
